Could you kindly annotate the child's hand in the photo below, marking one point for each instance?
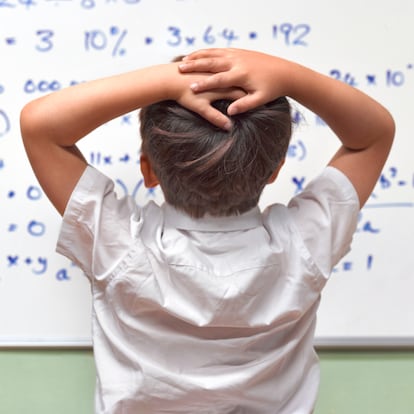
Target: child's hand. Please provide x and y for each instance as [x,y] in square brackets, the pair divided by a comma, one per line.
[201,104]
[254,72]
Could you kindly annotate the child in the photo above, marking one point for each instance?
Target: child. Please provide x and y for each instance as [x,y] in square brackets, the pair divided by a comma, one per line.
[205,304]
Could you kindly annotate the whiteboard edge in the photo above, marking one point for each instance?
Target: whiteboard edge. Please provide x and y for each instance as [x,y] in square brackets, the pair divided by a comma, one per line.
[320,343]
[46,343]
[374,342]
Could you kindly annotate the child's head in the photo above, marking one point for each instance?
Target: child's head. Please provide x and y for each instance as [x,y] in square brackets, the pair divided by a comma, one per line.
[203,169]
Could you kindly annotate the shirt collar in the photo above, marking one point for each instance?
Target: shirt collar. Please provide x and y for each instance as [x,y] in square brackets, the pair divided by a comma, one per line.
[174,218]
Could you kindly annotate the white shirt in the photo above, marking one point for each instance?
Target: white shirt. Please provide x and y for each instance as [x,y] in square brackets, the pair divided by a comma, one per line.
[212,315]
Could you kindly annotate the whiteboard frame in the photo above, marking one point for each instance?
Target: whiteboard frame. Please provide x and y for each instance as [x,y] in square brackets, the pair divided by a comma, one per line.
[320,343]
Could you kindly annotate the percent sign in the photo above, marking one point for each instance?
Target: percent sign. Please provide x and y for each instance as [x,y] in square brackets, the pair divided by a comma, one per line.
[100,40]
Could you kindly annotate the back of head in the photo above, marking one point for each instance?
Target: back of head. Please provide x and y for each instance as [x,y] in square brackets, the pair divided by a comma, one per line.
[203,169]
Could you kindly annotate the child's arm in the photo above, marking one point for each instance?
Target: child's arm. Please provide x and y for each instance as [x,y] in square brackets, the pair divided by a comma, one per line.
[365,128]
[51,125]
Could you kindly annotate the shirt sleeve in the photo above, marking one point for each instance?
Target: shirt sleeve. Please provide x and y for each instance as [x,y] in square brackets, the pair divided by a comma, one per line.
[326,214]
[97,227]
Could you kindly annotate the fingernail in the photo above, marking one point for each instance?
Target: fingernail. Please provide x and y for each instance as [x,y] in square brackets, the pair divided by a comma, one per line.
[232,111]
[182,66]
[194,86]
[228,125]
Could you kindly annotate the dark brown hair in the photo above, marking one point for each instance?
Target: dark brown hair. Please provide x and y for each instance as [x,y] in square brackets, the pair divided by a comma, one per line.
[204,169]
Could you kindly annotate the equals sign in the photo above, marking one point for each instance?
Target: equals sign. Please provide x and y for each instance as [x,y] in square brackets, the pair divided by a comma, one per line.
[10,41]
[125,158]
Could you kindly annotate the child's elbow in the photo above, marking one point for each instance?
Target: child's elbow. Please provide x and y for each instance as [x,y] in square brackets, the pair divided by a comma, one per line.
[31,122]
[389,128]
[384,137]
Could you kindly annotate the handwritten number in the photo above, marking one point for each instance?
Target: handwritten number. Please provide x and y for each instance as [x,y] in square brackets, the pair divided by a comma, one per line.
[229,35]
[95,39]
[302,31]
[176,35]
[36,228]
[208,37]
[45,37]
[344,77]
[293,35]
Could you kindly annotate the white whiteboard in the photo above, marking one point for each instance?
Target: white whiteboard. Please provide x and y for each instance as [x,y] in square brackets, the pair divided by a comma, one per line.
[49,44]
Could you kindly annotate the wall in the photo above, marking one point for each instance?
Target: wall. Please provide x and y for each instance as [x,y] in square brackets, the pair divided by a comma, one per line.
[62,382]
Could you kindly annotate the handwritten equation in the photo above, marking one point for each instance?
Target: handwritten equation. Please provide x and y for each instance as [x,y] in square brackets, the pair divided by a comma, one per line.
[390,78]
[37,227]
[112,40]
[116,42]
